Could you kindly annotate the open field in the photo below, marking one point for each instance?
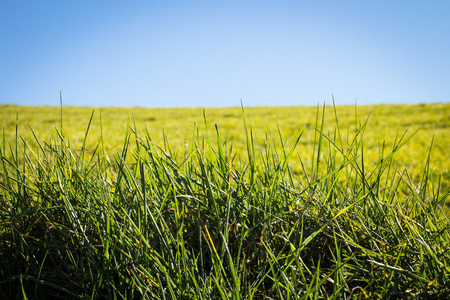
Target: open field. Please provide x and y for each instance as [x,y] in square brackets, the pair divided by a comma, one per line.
[272,203]
[385,124]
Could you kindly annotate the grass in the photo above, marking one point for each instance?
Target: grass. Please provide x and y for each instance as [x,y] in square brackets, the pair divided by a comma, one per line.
[218,222]
[386,122]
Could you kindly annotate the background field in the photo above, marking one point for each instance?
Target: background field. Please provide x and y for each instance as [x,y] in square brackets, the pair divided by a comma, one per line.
[385,123]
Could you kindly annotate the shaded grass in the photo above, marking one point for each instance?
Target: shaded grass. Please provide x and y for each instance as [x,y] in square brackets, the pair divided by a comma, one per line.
[215,223]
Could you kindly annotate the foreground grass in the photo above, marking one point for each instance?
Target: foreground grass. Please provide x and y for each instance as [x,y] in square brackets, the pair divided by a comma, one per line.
[209,223]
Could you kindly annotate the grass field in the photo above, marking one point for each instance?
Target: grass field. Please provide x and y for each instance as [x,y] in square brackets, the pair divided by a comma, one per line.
[270,203]
[385,124]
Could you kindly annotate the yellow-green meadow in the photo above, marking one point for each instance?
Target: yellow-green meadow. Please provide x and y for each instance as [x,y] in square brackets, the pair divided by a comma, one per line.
[384,124]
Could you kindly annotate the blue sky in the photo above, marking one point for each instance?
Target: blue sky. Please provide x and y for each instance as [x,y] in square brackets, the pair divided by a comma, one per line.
[215,53]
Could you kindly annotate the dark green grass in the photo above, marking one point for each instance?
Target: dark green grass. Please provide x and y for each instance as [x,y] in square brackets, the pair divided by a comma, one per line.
[214,224]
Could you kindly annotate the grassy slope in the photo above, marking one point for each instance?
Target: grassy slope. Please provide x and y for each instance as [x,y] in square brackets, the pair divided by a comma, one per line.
[215,223]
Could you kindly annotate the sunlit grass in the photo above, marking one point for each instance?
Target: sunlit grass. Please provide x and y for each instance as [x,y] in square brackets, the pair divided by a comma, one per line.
[385,123]
[312,211]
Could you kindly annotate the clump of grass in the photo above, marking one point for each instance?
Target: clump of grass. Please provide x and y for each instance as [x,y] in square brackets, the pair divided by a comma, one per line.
[148,223]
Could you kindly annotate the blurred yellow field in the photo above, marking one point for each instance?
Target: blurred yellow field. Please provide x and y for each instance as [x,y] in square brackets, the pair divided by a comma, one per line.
[385,123]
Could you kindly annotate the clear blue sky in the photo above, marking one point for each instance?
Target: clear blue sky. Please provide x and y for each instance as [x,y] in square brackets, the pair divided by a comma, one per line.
[214,53]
